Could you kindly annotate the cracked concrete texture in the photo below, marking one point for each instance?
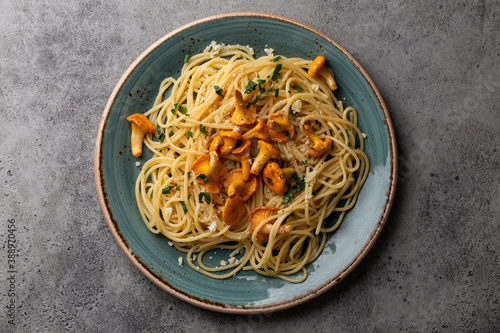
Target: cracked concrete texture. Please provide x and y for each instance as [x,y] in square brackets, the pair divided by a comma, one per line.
[435,266]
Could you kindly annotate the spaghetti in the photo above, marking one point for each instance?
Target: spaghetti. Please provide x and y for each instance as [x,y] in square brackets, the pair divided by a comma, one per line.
[196,108]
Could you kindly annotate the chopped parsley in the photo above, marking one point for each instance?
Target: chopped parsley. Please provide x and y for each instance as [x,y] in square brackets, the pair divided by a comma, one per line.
[300,184]
[269,181]
[278,58]
[204,195]
[304,162]
[167,189]
[298,88]
[204,177]
[276,72]
[288,135]
[218,91]
[170,134]
[186,58]
[183,109]
[161,137]
[189,133]
[174,110]
[189,196]
[256,99]
[250,87]
[184,208]
[203,130]
[293,114]
[178,188]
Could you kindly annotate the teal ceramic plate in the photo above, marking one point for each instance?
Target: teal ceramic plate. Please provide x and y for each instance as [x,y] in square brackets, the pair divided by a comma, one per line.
[116,170]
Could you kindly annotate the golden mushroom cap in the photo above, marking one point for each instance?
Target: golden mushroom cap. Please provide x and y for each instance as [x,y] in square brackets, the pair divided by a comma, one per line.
[237,187]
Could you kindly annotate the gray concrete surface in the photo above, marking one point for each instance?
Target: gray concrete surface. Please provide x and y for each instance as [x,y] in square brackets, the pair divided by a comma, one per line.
[435,267]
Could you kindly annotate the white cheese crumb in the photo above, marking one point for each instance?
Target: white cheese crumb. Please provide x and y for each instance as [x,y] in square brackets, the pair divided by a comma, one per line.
[269,51]
[315,87]
[223,263]
[236,129]
[210,257]
[137,163]
[364,135]
[297,106]
[180,261]
[170,243]
[233,260]
[289,156]
[193,257]
[212,226]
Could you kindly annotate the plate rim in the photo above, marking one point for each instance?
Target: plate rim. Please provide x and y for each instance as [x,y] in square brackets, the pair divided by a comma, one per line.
[98,173]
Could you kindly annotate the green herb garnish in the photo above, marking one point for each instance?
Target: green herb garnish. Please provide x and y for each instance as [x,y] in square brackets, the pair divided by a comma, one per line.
[178,188]
[300,184]
[184,208]
[276,72]
[218,91]
[167,189]
[174,109]
[250,87]
[256,99]
[203,130]
[269,181]
[161,137]
[298,88]
[186,58]
[204,195]
[189,133]
[277,58]
[204,177]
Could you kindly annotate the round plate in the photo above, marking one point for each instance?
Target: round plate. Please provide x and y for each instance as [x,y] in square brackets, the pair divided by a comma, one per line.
[116,170]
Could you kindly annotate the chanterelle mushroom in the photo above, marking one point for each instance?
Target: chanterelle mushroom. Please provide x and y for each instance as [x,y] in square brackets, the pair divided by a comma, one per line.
[212,173]
[257,217]
[279,128]
[140,126]
[238,188]
[243,151]
[320,146]
[216,144]
[266,152]
[259,131]
[274,178]
[230,140]
[318,68]
[241,114]
[233,211]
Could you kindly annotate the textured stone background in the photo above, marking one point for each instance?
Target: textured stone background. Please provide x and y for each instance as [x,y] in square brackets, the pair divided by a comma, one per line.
[435,266]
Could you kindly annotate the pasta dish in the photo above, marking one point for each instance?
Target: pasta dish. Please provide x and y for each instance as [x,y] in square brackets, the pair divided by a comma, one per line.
[255,156]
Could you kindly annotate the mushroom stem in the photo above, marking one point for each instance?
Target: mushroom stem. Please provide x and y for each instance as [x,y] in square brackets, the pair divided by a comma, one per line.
[214,164]
[244,152]
[266,152]
[140,126]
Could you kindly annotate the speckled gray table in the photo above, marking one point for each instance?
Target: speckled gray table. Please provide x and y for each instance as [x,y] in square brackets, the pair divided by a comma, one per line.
[435,266]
